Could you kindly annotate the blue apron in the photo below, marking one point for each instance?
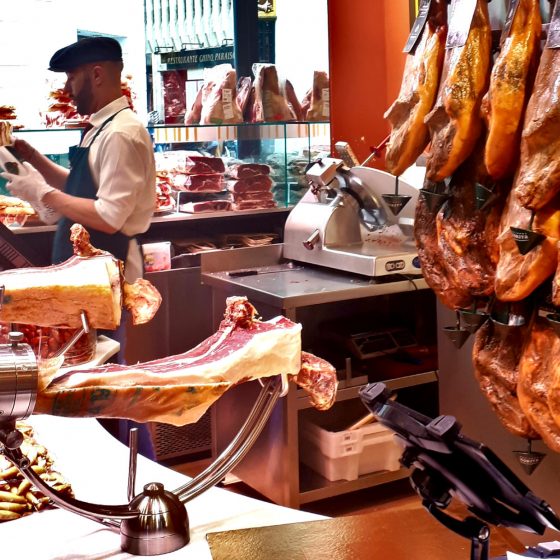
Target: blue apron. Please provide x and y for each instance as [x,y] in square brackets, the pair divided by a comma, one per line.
[80,183]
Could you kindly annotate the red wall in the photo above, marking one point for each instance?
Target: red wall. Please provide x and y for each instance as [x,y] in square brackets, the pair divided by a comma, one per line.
[366,38]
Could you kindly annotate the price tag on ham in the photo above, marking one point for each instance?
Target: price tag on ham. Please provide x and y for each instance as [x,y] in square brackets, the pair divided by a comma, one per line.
[514,4]
[553,41]
[418,26]
[462,12]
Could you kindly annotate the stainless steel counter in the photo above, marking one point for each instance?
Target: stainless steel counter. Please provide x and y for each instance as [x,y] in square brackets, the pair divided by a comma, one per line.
[304,294]
[302,286]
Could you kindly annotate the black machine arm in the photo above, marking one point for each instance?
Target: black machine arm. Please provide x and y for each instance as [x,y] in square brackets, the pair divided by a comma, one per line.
[446,463]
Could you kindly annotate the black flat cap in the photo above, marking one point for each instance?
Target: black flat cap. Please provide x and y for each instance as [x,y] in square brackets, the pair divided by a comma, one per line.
[84,51]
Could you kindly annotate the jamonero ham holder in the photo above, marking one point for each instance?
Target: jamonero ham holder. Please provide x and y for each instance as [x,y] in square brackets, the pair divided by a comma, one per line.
[89,291]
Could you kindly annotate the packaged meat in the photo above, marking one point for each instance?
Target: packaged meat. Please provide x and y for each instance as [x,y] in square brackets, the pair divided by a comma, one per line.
[270,101]
[193,115]
[319,102]
[537,387]
[511,83]
[212,182]
[179,389]
[248,170]
[455,122]
[496,355]
[90,281]
[244,85]
[206,206]
[259,183]
[293,101]
[219,96]
[419,87]
[538,177]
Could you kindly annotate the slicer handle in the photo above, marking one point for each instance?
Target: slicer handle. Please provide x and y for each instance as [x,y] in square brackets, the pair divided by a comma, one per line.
[132,461]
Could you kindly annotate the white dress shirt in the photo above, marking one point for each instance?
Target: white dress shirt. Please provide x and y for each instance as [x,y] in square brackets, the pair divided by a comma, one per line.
[121,160]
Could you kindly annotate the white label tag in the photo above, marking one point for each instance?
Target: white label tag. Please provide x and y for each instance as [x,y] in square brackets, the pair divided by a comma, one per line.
[462,12]
[326,102]
[227,100]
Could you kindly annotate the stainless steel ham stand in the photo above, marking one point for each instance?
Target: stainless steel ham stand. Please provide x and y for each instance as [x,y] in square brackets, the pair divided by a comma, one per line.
[154,521]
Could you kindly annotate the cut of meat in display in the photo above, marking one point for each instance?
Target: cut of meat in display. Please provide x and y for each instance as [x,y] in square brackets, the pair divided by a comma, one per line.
[258,183]
[496,355]
[205,164]
[219,96]
[248,170]
[318,107]
[206,206]
[455,122]
[538,178]
[179,389]
[203,183]
[270,103]
[511,84]
[409,134]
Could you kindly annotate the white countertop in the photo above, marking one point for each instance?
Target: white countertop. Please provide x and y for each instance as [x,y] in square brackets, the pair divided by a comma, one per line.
[96,465]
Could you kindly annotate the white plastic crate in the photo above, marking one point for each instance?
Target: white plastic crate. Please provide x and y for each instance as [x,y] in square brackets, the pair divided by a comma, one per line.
[348,454]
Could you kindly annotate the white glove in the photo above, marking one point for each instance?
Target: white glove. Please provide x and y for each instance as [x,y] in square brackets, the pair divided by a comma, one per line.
[46,214]
[29,185]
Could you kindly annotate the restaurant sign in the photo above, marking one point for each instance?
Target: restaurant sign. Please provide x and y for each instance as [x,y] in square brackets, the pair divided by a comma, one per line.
[197,58]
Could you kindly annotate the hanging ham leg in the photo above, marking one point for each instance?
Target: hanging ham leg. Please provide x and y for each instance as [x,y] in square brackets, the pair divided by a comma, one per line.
[409,134]
[537,387]
[455,122]
[517,275]
[538,179]
[511,84]
[496,358]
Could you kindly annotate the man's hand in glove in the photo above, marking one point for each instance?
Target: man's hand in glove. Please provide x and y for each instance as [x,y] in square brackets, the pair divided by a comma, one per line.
[28,185]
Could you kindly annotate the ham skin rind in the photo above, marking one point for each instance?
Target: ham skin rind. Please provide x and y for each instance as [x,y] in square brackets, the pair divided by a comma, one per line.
[179,389]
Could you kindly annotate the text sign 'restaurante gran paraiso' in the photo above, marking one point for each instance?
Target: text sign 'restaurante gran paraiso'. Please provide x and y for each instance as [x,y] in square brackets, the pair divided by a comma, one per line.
[197,58]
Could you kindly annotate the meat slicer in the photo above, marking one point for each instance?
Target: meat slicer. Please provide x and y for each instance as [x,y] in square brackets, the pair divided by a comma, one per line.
[355,218]
[153,522]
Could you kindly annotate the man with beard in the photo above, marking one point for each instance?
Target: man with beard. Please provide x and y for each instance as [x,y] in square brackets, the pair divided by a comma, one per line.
[110,187]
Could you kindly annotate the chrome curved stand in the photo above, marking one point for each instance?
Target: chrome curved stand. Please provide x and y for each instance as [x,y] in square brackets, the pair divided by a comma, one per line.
[155,521]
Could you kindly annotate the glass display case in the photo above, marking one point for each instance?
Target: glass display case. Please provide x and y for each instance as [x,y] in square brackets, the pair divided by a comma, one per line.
[287,148]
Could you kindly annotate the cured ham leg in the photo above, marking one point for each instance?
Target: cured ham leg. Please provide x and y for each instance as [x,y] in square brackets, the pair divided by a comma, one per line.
[496,359]
[455,122]
[409,134]
[517,275]
[511,83]
[457,248]
[90,281]
[537,388]
[179,389]
[538,179]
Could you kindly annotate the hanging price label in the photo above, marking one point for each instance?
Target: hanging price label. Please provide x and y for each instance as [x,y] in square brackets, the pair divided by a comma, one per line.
[509,19]
[418,27]
[553,41]
[462,12]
